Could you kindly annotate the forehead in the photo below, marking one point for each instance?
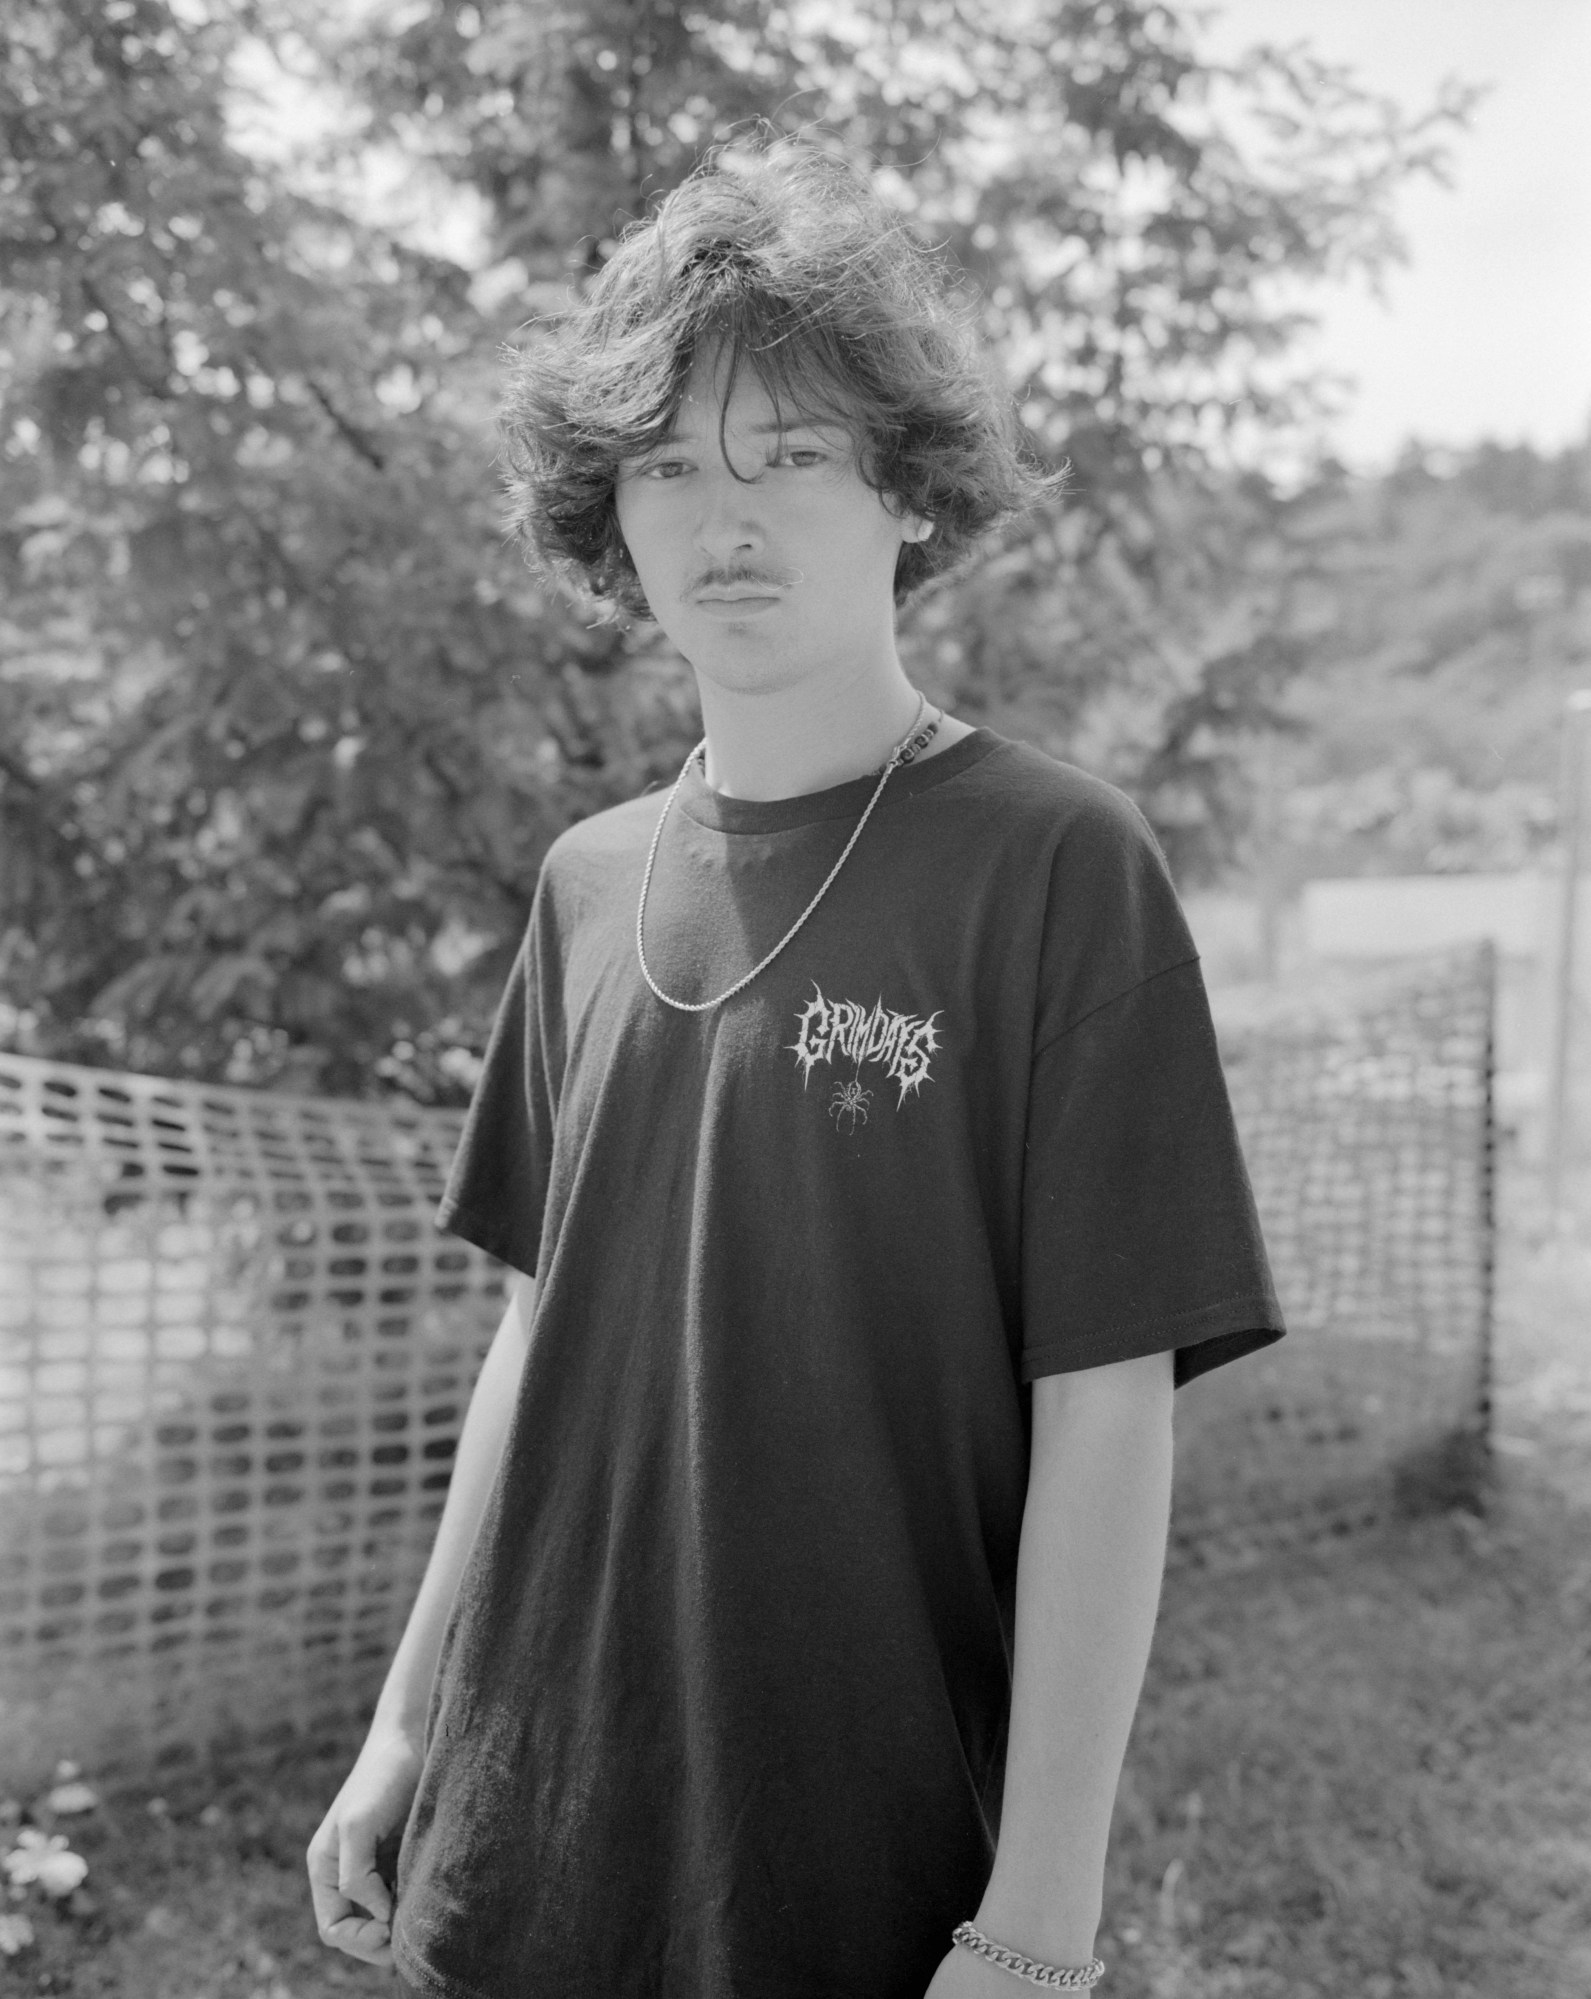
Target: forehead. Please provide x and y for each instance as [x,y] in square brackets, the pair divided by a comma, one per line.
[747,405]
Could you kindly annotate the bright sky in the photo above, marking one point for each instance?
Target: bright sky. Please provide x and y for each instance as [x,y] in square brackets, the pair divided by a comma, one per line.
[1487,331]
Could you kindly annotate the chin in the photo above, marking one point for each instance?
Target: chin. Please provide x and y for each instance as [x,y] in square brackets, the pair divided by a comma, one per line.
[742,666]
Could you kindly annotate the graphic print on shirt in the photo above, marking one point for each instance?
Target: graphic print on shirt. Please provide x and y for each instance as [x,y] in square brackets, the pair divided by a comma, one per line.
[902,1044]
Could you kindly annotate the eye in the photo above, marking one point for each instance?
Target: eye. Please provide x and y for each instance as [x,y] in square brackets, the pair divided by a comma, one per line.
[663,468]
[802,456]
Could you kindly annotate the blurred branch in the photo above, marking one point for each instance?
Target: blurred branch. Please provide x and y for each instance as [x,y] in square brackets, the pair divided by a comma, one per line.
[350,433]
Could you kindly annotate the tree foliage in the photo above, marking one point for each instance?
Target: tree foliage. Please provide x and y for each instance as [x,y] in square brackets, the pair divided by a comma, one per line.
[1443,613]
[285,726]
[276,695]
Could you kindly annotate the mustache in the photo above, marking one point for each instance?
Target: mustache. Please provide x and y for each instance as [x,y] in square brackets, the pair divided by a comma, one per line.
[744,579]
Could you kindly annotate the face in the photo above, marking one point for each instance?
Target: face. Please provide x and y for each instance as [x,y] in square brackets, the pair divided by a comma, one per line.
[775,576]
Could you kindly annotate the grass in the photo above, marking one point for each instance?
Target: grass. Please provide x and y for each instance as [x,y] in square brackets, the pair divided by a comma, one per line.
[1369,1773]
[1365,1771]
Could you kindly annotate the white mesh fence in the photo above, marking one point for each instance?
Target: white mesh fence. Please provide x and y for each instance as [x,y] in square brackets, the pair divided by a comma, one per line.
[235,1355]
[234,1358]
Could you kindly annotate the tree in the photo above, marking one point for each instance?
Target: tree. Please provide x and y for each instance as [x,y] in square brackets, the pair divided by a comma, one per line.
[275,688]
[1442,618]
[286,727]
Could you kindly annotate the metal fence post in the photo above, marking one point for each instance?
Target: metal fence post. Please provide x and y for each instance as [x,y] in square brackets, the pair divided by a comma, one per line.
[1576,720]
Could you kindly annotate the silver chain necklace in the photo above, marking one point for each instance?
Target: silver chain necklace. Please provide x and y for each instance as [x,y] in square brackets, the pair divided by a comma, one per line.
[911,745]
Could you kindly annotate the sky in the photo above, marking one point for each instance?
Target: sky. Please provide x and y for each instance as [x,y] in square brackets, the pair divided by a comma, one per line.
[1486,333]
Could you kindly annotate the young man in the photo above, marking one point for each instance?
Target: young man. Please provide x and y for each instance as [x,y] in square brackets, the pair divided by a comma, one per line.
[855,1109]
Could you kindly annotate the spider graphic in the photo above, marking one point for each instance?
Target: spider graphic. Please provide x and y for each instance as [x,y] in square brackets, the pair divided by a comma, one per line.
[850,1100]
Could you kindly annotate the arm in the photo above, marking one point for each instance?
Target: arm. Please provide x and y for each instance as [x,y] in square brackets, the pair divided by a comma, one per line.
[375,1799]
[1088,1586]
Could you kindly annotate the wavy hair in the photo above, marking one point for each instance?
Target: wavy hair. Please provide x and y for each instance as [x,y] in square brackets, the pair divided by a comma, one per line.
[784,261]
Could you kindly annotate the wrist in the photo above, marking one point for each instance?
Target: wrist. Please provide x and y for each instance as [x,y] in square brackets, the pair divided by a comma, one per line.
[1044,1927]
[972,1943]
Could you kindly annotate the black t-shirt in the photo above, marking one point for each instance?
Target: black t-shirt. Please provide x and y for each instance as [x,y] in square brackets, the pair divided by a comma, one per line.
[721,1705]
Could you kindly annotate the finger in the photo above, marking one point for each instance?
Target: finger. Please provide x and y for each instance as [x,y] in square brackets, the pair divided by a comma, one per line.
[330,1905]
[343,1876]
[365,1888]
[361,1936]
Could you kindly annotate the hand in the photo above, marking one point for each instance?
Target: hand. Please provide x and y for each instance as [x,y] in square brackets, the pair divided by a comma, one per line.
[353,1905]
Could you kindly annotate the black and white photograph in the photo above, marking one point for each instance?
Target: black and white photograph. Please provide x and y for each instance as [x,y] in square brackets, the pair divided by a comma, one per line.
[795,999]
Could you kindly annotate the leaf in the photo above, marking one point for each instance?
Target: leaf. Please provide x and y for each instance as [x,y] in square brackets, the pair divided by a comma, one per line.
[65,1800]
[16,1934]
[47,1862]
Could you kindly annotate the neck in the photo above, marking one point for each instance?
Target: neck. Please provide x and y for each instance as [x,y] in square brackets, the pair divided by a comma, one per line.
[786,741]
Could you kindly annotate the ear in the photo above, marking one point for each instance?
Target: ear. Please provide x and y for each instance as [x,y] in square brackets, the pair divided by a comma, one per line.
[917,530]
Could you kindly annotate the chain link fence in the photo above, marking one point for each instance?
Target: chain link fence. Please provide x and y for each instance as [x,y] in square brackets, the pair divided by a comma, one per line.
[235,1355]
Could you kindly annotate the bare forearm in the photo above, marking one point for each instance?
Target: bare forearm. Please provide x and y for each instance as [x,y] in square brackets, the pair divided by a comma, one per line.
[1088,1587]
[408,1684]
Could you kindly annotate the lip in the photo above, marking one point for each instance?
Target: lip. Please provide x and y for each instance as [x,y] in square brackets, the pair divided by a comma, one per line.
[736,603]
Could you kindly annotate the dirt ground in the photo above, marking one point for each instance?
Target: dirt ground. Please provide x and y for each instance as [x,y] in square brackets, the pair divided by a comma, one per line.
[1362,1772]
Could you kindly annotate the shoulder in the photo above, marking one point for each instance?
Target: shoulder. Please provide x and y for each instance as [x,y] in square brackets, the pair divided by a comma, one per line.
[615,832]
[1100,889]
[1079,822]
[590,873]
[600,852]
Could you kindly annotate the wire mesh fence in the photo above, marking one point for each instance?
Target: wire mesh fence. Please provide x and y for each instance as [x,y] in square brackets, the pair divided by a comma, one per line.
[1367,1120]
[235,1355]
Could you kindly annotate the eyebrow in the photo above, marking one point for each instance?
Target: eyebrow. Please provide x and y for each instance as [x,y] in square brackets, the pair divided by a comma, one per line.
[776,429]
[800,423]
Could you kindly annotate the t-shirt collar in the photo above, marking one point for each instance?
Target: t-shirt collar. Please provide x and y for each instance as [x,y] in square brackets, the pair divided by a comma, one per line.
[839,801]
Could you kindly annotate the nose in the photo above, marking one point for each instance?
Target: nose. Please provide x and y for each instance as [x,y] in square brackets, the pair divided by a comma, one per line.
[729,517]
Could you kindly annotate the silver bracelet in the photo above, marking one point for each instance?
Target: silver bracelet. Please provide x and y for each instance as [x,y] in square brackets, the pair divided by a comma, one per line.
[1054,1977]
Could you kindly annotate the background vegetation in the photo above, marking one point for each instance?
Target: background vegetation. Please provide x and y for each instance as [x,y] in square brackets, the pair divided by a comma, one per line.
[285,725]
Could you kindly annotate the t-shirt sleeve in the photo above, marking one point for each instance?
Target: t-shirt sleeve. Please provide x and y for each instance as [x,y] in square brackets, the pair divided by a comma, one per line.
[497,1190]
[1139,1227]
